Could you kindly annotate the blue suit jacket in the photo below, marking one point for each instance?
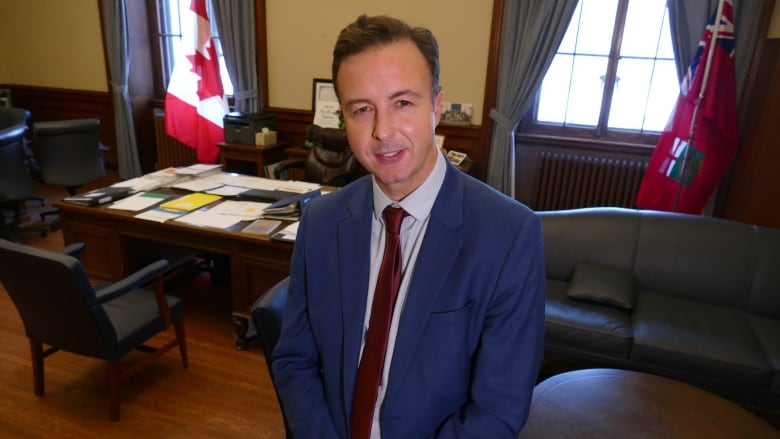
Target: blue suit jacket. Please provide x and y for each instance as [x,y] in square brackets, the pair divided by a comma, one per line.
[470,338]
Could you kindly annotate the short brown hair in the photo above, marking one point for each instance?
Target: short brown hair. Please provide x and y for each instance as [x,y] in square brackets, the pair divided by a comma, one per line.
[367,32]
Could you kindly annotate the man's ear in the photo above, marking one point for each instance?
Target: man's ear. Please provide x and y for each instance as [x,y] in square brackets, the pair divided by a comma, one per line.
[437,103]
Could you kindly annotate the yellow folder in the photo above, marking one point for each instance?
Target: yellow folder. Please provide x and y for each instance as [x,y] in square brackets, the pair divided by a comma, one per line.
[190,202]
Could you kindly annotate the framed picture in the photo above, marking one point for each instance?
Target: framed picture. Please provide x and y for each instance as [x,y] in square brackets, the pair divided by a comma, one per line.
[456,113]
[456,157]
[324,103]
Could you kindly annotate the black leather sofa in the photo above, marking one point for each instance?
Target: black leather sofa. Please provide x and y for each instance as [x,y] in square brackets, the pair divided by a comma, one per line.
[689,297]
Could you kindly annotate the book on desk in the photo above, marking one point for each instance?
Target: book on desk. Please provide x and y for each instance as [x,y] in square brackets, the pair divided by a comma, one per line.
[98,197]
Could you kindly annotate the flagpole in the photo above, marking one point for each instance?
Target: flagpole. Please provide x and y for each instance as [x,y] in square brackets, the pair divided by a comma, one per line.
[702,88]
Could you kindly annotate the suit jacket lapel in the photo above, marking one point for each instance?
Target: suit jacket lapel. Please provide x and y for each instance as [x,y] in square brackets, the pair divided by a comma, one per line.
[354,234]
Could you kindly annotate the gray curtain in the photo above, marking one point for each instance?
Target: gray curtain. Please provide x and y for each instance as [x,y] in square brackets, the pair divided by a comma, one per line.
[530,36]
[117,51]
[236,24]
[687,19]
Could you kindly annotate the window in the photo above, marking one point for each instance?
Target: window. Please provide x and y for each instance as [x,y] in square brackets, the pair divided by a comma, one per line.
[169,31]
[613,75]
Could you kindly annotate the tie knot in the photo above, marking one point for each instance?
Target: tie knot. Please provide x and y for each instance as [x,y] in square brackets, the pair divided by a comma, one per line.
[393,218]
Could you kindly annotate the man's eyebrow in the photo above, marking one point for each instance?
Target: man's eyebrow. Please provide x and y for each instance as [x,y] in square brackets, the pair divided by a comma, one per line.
[396,95]
[352,102]
[405,92]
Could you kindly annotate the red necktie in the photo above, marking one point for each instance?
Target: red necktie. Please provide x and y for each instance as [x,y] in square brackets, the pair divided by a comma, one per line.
[372,362]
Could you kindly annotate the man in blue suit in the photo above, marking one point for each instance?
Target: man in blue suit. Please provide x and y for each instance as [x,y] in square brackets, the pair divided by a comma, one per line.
[466,336]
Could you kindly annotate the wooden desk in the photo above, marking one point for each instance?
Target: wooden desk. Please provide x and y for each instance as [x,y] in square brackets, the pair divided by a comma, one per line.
[250,159]
[612,403]
[118,244]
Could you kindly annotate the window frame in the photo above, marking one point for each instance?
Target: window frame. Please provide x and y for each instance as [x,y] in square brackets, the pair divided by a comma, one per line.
[600,136]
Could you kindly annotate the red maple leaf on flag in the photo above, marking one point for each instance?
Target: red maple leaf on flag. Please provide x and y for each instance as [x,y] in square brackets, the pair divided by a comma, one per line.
[195,103]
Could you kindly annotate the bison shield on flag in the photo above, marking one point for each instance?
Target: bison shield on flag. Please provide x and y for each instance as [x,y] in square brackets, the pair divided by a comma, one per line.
[700,139]
[195,102]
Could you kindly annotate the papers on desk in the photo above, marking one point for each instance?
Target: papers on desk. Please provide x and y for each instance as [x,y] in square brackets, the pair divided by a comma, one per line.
[197,185]
[288,233]
[245,210]
[139,201]
[199,170]
[210,219]
[297,186]
[227,191]
[159,215]
[150,182]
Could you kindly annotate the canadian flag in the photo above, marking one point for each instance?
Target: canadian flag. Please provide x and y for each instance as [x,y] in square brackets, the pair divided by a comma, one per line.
[195,102]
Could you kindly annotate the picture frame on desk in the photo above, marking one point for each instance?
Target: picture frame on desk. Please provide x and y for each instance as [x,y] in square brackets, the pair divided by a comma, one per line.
[325,104]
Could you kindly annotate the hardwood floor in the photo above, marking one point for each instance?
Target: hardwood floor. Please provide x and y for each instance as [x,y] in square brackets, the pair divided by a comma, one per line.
[224,393]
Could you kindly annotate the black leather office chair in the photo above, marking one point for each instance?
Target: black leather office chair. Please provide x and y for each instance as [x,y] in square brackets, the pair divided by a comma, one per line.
[267,317]
[330,161]
[61,310]
[16,185]
[68,153]
[10,117]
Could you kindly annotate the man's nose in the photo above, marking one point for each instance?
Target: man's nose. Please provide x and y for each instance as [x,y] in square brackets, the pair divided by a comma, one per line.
[384,125]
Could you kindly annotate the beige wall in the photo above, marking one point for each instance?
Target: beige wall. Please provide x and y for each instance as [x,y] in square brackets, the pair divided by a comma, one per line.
[61,43]
[301,34]
[774,26]
[56,43]
[52,43]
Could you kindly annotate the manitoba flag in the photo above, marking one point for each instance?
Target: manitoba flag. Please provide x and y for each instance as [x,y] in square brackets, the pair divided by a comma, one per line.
[195,103]
[689,163]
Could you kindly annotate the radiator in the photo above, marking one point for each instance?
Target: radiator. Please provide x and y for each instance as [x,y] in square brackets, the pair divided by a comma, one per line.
[571,181]
[170,152]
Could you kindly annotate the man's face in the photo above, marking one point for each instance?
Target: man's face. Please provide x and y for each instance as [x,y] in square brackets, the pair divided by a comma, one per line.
[390,115]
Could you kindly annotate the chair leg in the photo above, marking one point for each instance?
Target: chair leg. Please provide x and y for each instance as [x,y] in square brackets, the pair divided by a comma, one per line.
[179,327]
[36,351]
[114,388]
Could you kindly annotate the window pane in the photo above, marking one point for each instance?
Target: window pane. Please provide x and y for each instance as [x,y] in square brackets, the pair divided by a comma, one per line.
[171,30]
[629,98]
[555,91]
[570,37]
[664,90]
[643,27]
[586,90]
[595,26]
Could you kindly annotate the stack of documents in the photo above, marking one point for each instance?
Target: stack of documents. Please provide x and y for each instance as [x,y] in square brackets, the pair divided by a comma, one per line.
[199,170]
[151,181]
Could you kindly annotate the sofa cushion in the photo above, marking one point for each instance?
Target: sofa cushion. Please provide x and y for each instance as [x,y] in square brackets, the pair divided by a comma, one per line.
[698,338]
[585,326]
[768,332]
[599,283]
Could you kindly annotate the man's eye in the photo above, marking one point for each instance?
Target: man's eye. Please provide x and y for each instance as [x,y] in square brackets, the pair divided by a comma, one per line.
[361,110]
[403,103]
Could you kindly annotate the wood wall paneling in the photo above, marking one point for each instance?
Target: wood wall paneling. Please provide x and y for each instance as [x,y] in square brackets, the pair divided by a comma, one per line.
[753,195]
[45,104]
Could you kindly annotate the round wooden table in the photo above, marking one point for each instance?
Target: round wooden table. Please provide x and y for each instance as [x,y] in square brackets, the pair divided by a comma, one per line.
[612,403]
